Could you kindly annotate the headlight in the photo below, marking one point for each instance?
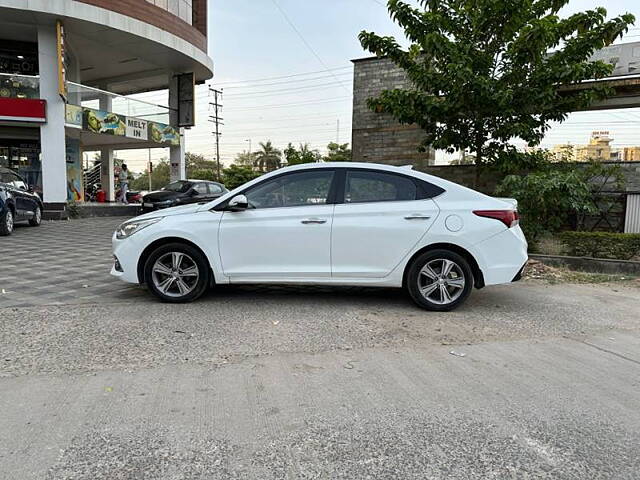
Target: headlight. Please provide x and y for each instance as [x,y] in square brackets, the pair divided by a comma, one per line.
[129,228]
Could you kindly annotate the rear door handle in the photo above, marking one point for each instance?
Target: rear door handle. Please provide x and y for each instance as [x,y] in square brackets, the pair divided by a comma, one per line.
[308,221]
[417,216]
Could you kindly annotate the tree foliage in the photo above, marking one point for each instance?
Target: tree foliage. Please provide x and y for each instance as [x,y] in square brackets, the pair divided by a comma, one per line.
[338,152]
[236,175]
[303,154]
[159,177]
[486,71]
[268,158]
[554,195]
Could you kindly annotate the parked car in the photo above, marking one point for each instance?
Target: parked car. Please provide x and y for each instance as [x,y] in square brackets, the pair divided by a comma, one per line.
[330,224]
[17,202]
[183,192]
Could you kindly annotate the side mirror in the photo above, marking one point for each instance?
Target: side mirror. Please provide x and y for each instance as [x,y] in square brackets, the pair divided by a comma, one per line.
[238,203]
[31,189]
[193,192]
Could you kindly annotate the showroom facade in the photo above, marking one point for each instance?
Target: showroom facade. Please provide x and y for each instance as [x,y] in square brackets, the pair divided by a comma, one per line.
[67,72]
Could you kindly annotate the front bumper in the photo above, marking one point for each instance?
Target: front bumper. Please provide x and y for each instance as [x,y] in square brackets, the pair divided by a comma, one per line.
[127,252]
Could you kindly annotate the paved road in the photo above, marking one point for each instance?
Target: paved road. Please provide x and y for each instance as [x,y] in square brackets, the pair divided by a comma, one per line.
[274,383]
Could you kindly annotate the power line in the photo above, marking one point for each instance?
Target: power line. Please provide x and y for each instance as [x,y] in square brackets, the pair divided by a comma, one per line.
[285,91]
[332,100]
[304,40]
[326,70]
[286,82]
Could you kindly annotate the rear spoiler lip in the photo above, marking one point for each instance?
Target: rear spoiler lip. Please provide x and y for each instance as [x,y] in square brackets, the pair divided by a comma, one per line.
[512,201]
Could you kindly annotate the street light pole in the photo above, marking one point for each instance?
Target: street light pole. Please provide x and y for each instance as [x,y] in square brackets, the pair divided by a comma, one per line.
[249,140]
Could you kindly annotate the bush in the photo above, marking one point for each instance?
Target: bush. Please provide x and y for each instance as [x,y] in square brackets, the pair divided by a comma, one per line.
[619,246]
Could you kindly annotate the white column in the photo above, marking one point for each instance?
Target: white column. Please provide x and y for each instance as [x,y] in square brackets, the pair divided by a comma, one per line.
[52,141]
[106,157]
[177,153]
[177,159]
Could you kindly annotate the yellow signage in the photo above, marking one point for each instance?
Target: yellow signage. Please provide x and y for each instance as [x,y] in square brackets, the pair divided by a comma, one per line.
[62,68]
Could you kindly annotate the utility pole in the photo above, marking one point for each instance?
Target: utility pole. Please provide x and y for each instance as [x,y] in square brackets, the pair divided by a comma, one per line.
[217,120]
[338,132]
[249,140]
[149,170]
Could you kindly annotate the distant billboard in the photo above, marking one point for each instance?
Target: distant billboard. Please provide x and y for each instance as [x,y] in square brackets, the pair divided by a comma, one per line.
[625,58]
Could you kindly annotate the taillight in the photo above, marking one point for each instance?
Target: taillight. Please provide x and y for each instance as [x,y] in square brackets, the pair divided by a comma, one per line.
[509,217]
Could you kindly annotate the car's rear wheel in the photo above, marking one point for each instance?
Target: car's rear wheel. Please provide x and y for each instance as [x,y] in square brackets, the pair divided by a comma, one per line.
[439,280]
[177,273]
[37,217]
[6,222]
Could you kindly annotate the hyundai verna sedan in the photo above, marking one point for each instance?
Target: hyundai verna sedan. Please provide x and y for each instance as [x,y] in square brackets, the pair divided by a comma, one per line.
[330,224]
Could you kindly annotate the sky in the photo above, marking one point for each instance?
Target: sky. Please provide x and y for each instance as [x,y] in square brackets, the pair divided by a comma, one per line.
[285,69]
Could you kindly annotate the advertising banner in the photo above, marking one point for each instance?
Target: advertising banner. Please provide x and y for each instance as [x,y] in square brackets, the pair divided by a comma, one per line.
[165,134]
[137,128]
[98,121]
[74,170]
[73,116]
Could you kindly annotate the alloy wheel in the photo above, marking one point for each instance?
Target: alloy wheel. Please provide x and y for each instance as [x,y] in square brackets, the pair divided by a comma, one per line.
[175,274]
[38,216]
[441,281]
[8,218]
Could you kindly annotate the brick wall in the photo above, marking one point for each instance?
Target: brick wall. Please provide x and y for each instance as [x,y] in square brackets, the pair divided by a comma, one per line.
[378,137]
[159,17]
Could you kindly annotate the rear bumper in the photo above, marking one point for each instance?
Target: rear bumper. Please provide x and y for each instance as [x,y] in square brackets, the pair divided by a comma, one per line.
[503,256]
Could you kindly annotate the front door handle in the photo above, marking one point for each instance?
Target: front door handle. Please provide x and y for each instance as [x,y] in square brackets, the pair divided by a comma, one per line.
[309,221]
[417,216]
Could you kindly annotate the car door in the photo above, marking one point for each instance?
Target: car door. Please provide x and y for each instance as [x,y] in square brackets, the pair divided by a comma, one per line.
[199,193]
[381,219]
[24,204]
[285,234]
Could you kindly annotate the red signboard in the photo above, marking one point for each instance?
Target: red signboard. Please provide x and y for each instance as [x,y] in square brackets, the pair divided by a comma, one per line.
[23,110]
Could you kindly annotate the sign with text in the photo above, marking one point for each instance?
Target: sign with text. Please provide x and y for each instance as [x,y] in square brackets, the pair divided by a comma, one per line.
[137,129]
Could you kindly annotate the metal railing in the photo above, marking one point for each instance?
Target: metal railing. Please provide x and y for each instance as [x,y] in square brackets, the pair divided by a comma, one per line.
[90,97]
[13,85]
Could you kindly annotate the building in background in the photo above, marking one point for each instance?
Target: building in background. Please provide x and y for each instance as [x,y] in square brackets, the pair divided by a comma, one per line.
[376,137]
[67,70]
[599,149]
[631,154]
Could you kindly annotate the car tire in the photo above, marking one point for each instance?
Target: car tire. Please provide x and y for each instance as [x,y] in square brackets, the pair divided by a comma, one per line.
[439,280]
[177,273]
[6,223]
[36,220]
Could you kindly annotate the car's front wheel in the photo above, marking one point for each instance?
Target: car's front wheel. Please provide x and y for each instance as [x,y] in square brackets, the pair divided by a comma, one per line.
[439,280]
[6,222]
[177,273]
[37,217]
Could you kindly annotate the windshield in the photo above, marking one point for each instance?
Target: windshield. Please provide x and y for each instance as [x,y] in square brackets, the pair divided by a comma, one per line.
[180,187]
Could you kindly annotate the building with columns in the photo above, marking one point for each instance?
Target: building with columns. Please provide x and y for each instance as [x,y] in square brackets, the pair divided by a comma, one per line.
[68,69]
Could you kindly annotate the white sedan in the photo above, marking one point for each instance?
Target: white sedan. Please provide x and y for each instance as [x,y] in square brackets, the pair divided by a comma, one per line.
[329,224]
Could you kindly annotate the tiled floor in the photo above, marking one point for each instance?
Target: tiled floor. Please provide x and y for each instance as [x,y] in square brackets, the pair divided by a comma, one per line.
[61,263]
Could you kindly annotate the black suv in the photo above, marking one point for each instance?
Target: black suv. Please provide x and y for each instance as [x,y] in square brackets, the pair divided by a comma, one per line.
[17,202]
[183,192]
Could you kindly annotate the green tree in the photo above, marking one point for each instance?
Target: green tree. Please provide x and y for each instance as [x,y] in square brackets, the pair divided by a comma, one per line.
[486,71]
[236,175]
[553,195]
[337,152]
[198,167]
[302,154]
[245,158]
[159,177]
[268,158]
